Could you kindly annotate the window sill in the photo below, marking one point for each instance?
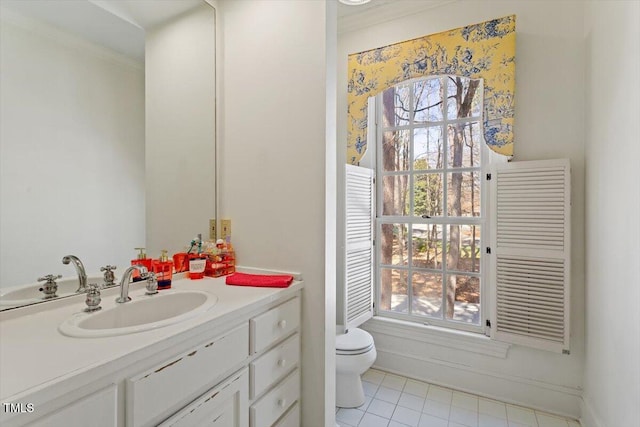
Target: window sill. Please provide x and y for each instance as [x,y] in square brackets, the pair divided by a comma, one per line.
[459,340]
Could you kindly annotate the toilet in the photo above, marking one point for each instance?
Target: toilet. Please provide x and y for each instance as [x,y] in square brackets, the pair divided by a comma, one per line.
[355,353]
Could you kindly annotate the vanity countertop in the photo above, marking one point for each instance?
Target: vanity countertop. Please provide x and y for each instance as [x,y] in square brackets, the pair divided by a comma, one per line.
[34,355]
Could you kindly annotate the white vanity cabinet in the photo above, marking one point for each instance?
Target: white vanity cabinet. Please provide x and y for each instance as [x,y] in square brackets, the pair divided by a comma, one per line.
[239,369]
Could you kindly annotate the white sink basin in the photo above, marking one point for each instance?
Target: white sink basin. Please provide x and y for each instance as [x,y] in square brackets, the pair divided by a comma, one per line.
[30,293]
[142,313]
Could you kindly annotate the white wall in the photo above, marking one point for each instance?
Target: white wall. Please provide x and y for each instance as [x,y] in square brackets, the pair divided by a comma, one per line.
[71,153]
[272,162]
[612,364]
[180,130]
[549,124]
[330,209]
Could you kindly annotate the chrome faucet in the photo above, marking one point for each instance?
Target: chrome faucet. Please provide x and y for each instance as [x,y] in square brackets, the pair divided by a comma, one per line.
[126,279]
[82,275]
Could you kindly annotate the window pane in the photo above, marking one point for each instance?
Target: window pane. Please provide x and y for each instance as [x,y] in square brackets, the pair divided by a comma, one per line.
[463,298]
[463,248]
[427,246]
[463,97]
[393,244]
[393,295]
[428,148]
[395,151]
[427,194]
[464,145]
[427,294]
[395,193]
[463,194]
[430,167]
[428,101]
[395,106]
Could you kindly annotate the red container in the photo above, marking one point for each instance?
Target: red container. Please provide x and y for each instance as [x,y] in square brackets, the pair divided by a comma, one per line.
[163,268]
[222,264]
[147,262]
[181,262]
[197,265]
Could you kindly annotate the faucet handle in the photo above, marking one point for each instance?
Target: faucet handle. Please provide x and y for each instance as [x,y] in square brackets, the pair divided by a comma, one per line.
[152,284]
[50,278]
[50,287]
[109,276]
[93,298]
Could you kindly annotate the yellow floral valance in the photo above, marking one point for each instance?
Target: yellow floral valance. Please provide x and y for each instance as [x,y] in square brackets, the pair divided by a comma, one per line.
[485,50]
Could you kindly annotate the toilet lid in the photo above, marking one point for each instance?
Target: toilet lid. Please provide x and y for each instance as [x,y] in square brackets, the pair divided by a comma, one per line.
[355,341]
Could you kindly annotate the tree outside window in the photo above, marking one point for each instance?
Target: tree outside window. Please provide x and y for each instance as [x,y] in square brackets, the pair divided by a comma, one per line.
[430,220]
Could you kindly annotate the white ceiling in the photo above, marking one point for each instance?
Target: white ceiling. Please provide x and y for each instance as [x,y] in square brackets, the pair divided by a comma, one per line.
[117,24]
[120,24]
[147,13]
[351,18]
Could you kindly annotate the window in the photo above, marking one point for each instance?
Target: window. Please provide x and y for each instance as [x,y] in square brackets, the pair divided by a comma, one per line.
[441,200]
[430,215]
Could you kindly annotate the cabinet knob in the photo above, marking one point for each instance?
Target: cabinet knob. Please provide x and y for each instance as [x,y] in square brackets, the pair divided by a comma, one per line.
[282,402]
[282,324]
[282,362]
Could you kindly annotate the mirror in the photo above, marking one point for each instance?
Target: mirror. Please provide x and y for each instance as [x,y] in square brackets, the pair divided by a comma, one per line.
[108,134]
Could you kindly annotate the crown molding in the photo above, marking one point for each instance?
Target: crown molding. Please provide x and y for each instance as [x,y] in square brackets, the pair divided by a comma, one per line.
[384,12]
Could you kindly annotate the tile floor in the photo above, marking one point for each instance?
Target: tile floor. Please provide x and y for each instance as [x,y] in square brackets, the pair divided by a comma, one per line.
[395,401]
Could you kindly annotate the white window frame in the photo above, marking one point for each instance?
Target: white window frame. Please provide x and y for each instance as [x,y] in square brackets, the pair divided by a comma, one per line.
[536,249]
[486,158]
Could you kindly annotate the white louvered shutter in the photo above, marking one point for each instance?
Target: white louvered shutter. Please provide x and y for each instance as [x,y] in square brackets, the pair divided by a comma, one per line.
[358,246]
[531,253]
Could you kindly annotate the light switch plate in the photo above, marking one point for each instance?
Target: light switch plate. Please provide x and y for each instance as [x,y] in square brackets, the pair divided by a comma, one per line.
[225,229]
[212,229]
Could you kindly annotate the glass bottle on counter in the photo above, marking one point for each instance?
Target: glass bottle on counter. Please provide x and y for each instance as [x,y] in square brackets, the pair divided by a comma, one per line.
[141,260]
[163,268]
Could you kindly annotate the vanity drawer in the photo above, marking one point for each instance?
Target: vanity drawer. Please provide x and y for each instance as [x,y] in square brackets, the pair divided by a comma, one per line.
[272,366]
[275,324]
[157,392]
[275,403]
[225,405]
[291,419]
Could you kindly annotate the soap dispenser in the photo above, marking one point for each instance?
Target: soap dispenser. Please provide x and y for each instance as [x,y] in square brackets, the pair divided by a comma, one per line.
[141,260]
[163,268]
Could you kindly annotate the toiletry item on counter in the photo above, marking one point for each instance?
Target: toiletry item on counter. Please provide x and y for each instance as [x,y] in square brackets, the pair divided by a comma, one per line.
[181,262]
[141,260]
[181,259]
[163,268]
[197,265]
[221,258]
[196,245]
[260,280]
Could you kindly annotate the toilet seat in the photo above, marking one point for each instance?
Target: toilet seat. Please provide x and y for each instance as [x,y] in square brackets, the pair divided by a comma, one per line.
[354,342]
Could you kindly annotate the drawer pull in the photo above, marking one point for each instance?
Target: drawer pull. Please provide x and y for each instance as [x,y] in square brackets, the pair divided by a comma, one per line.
[282,362]
[282,324]
[282,402]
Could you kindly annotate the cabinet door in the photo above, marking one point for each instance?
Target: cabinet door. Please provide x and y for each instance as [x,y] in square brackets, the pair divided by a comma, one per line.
[97,410]
[223,406]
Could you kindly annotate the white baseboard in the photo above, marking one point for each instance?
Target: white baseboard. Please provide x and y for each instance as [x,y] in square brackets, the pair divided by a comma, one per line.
[557,399]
